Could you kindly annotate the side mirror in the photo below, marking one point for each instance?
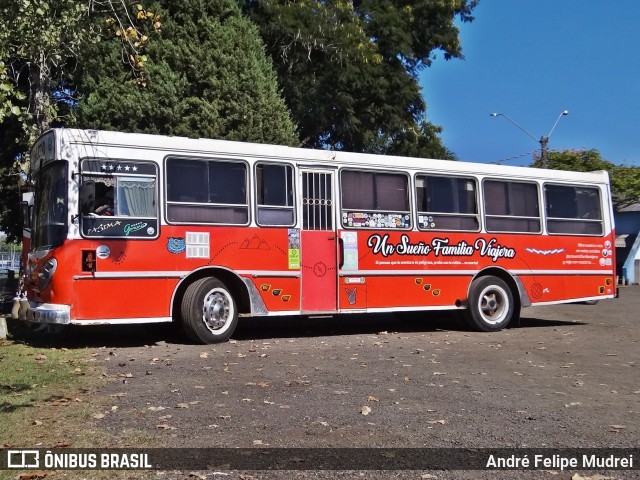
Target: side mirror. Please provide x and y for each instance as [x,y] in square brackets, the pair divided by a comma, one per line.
[25,215]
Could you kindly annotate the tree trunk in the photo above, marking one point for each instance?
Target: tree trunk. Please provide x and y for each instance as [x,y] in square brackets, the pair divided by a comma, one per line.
[40,101]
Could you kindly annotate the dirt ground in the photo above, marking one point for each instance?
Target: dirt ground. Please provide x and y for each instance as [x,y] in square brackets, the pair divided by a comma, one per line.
[567,376]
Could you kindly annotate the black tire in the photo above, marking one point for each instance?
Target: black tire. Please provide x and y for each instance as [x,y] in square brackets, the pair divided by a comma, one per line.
[491,305]
[209,312]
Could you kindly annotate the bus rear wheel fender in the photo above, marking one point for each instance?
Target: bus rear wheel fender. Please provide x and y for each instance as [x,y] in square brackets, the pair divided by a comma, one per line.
[490,305]
[209,311]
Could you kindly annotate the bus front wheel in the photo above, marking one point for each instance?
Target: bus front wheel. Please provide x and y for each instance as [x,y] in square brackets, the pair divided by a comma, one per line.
[490,304]
[209,311]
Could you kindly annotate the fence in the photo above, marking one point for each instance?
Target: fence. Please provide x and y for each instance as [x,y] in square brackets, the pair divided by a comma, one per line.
[9,261]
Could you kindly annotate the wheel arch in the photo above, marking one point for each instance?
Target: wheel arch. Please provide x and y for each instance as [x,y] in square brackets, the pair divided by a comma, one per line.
[516,286]
[232,280]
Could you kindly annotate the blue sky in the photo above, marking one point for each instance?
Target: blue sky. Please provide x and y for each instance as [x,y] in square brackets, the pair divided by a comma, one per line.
[532,59]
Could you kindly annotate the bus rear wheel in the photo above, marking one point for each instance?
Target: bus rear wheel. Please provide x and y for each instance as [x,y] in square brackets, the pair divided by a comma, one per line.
[209,311]
[491,304]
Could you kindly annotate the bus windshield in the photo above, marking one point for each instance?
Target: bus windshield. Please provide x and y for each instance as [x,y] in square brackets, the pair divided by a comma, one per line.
[50,216]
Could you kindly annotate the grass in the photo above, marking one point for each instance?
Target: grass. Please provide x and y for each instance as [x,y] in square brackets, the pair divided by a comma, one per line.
[44,394]
[48,399]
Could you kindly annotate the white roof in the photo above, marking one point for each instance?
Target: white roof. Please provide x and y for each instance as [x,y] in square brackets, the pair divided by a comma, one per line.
[308,157]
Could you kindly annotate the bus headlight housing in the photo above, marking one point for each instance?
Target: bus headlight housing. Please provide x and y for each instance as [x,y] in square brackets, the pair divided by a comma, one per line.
[46,273]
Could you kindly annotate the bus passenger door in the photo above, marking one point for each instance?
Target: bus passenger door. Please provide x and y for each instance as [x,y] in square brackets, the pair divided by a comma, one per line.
[318,243]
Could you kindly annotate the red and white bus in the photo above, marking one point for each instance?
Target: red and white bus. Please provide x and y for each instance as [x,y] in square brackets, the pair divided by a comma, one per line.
[132,228]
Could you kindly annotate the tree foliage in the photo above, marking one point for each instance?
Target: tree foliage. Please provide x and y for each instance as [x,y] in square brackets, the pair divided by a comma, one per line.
[207,75]
[40,44]
[59,58]
[625,179]
[348,68]
[8,247]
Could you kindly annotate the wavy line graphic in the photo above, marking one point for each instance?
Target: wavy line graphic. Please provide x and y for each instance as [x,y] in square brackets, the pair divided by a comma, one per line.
[544,252]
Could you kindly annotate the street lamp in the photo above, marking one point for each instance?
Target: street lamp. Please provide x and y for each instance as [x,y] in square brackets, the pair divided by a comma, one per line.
[544,140]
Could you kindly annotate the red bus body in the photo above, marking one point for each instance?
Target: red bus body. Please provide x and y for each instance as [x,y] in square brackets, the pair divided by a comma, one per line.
[317,256]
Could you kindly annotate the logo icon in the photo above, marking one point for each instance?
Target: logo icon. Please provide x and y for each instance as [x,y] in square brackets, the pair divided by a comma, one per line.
[23,459]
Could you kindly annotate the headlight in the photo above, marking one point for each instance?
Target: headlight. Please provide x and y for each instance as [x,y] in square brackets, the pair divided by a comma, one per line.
[47,272]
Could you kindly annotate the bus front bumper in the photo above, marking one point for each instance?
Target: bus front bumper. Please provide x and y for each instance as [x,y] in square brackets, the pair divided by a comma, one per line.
[46,313]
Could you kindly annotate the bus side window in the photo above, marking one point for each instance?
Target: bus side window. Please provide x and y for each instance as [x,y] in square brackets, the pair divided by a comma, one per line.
[207,191]
[274,194]
[573,210]
[511,206]
[87,197]
[447,203]
[104,205]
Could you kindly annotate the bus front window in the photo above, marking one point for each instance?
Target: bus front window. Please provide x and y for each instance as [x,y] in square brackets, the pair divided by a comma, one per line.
[50,216]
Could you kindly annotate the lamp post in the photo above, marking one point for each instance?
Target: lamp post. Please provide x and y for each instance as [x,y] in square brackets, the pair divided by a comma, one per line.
[544,140]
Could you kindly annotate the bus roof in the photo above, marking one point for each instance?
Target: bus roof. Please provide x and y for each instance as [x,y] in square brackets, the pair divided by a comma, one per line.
[308,157]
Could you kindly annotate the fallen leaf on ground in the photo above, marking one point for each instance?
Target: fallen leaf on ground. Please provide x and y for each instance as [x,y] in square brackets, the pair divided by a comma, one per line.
[577,476]
[33,475]
[165,426]
[365,410]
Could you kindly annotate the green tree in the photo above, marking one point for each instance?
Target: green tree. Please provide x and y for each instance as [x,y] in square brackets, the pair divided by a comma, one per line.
[349,68]
[34,38]
[625,179]
[39,45]
[7,246]
[207,75]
